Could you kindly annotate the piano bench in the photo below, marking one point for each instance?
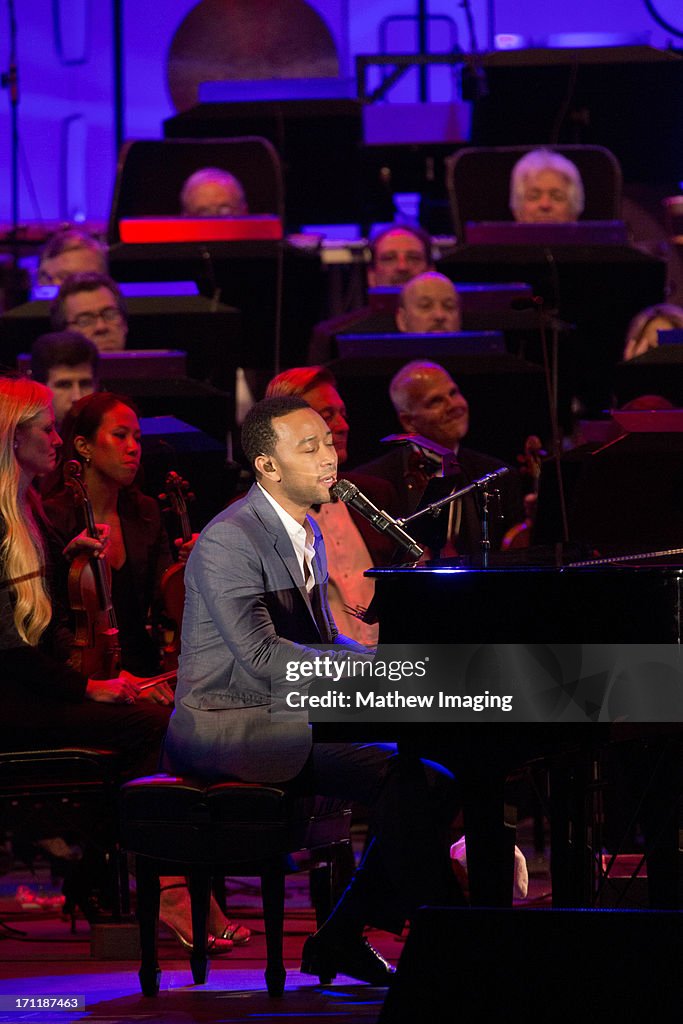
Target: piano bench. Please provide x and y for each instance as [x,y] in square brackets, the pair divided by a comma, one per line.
[180,825]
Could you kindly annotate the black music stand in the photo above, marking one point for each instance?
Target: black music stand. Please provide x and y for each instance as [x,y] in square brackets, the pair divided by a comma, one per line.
[624,495]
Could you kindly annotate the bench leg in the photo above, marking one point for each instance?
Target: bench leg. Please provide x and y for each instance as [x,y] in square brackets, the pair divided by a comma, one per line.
[148,919]
[199,884]
[273,897]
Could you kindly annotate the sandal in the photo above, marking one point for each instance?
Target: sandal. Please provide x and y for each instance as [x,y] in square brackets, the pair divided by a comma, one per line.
[237,934]
[216,945]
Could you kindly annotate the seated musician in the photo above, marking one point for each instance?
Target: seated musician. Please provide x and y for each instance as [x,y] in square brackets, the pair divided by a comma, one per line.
[397,254]
[102,432]
[68,363]
[212,192]
[641,334]
[71,251]
[429,403]
[256,599]
[93,305]
[46,702]
[428,304]
[546,188]
[352,544]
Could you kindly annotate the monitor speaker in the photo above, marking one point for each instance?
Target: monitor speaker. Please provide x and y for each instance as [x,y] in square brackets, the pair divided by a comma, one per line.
[559,965]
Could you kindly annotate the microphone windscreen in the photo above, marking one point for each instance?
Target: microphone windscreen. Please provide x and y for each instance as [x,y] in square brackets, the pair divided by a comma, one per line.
[344,490]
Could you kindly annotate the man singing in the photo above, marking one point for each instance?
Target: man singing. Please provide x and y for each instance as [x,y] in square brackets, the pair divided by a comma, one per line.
[256,600]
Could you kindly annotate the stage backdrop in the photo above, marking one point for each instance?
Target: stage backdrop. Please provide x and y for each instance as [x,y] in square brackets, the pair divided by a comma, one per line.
[64,49]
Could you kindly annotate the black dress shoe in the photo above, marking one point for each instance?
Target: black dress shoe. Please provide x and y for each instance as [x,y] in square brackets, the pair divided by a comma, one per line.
[358,959]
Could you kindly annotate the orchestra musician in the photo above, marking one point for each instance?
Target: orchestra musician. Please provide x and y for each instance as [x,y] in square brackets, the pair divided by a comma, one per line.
[429,403]
[642,333]
[546,188]
[102,432]
[50,703]
[213,192]
[46,703]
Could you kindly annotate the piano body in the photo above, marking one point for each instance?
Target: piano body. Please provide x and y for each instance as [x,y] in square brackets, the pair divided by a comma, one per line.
[614,604]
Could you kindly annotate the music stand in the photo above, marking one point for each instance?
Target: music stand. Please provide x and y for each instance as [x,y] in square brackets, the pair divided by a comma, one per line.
[623,496]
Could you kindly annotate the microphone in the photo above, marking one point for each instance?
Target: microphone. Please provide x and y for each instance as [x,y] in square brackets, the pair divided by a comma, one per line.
[382,521]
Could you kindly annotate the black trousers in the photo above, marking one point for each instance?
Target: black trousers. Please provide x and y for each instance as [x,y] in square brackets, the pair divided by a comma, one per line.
[412,803]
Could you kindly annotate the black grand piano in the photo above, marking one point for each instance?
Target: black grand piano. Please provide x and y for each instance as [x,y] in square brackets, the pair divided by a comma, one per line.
[531,605]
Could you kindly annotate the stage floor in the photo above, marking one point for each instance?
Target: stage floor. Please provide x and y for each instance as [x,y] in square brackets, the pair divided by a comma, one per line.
[48,960]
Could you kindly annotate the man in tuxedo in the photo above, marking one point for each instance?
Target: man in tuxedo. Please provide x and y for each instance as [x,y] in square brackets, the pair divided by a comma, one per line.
[429,404]
[256,601]
[351,542]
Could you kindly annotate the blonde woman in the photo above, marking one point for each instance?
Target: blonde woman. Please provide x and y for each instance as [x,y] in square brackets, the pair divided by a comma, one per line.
[49,701]
[45,702]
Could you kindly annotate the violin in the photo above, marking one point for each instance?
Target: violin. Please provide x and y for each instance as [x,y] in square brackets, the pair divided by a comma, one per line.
[519,535]
[96,651]
[419,469]
[175,499]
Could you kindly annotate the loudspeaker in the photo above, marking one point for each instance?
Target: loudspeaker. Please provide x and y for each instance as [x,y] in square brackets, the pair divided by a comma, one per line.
[556,965]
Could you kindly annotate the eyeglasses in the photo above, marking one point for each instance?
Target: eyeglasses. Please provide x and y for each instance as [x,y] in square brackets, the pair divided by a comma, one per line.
[414,258]
[224,210]
[110,315]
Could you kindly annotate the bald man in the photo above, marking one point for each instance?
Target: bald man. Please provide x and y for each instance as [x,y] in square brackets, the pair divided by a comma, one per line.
[428,402]
[213,192]
[429,304]
[397,254]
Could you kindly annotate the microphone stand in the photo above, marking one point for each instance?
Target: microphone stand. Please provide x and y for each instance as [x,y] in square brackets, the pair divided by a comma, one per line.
[551,357]
[481,484]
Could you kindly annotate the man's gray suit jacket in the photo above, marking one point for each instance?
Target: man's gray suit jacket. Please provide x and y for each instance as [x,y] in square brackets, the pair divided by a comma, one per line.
[247,615]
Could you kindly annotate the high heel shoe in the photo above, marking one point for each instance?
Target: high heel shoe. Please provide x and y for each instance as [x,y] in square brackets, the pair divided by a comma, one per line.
[216,945]
[227,933]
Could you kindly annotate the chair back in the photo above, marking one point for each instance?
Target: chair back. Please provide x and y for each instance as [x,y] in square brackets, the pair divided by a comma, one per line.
[151,172]
[478,182]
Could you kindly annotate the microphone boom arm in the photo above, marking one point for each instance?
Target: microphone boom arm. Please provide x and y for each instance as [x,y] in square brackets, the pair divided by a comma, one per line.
[436,506]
